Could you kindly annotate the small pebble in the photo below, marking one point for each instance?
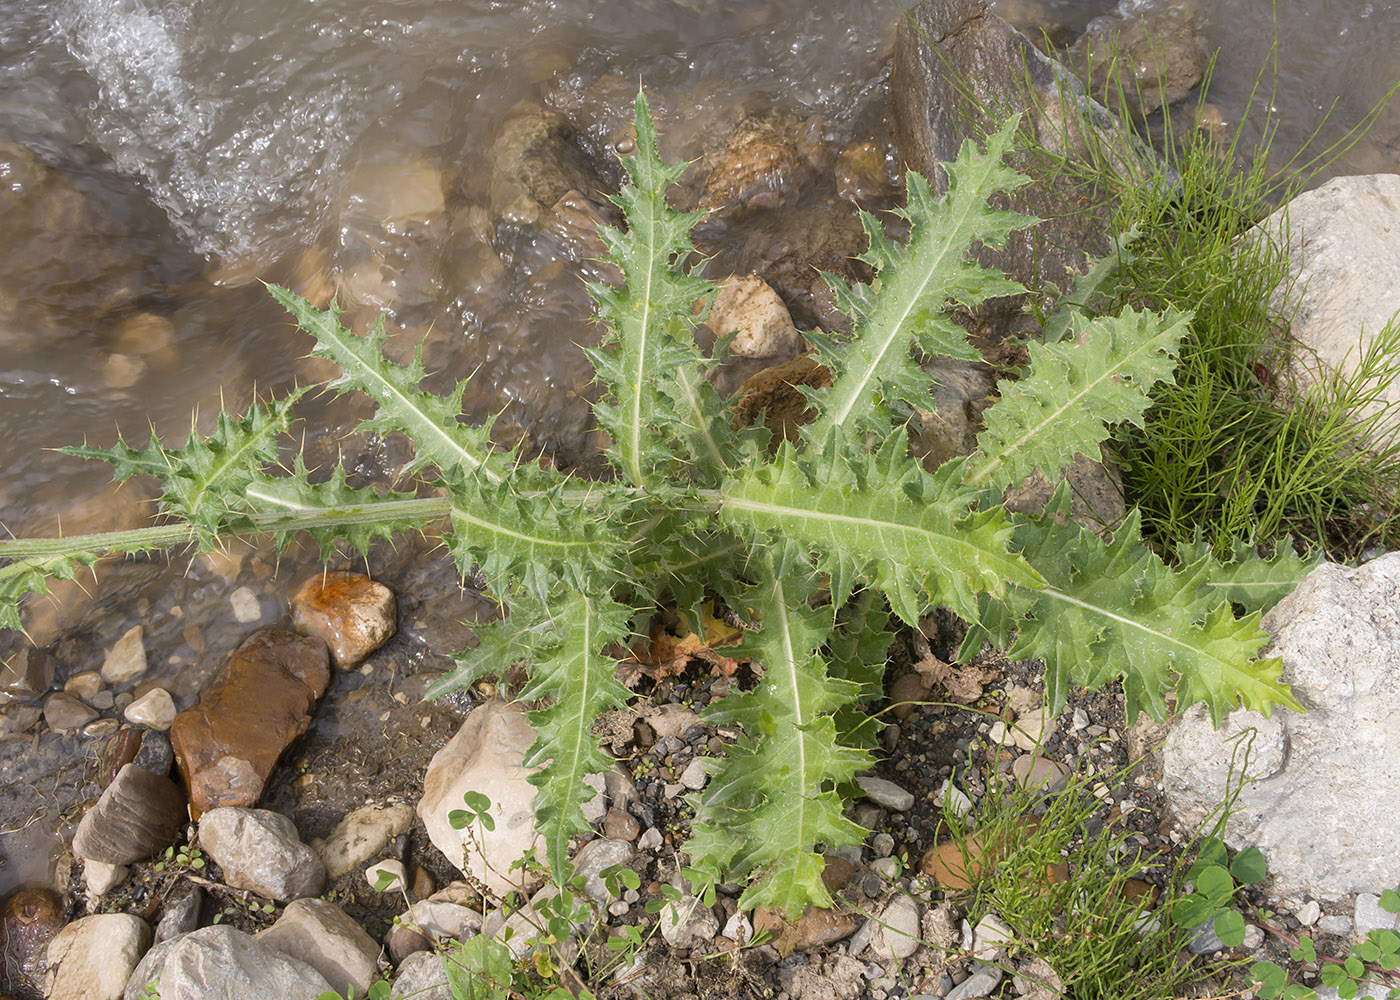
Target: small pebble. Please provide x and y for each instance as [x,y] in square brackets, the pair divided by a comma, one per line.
[245,604]
[1309,913]
[154,710]
[394,869]
[694,776]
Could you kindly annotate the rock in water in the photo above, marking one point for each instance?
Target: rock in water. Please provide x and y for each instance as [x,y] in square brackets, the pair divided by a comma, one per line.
[485,756]
[29,919]
[260,850]
[93,957]
[352,613]
[137,815]
[26,673]
[223,962]
[946,47]
[1313,806]
[263,698]
[127,659]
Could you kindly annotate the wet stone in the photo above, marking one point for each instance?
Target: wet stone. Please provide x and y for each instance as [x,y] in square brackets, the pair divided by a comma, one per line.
[19,718]
[126,660]
[29,919]
[263,698]
[63,712]
[155,754]
[352,613]
[26,673]
[86,685]
[246,606]
[154,710]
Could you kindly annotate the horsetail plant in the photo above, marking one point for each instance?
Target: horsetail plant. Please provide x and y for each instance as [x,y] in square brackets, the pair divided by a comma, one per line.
[815,543]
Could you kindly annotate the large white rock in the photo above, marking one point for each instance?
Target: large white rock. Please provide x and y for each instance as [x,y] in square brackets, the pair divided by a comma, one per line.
[92,958]
[221,962]
[324,937]
[1343,241]
[1322,803]
[485,756]
[260,850]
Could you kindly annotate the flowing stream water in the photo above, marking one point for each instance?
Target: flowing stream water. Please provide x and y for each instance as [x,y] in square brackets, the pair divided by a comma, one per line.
[159,157]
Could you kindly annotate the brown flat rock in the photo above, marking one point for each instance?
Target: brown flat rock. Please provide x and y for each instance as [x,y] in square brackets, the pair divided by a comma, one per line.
[227,744]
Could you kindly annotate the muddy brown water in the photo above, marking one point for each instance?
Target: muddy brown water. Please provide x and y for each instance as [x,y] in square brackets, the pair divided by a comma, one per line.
[159,158]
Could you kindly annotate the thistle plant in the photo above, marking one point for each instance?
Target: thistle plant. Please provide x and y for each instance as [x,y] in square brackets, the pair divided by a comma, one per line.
[816,544]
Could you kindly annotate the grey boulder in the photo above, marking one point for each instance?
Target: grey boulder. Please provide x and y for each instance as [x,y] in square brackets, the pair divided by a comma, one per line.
[222,962]
[1319,802]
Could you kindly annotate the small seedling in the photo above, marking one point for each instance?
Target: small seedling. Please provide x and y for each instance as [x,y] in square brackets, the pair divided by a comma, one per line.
[1215,889]
[182,857]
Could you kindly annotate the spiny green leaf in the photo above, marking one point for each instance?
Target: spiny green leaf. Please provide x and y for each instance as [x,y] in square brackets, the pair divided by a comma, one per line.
[1114,609]
[294,494]
[1064,404]
[650,317]
[773,798]
[431,422]
[541,542]
[1074,303]
[881,519]
[916,284]
[204,482]
[1255,583]
[21,577]
[579,682]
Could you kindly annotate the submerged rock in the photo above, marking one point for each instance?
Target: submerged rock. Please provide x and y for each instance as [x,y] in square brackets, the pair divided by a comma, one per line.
[950,51]
[1311,805]
[25,673]
[227,744]
[126,660]
[1156,52]
[485,756]
[260,851]
[29,919]
[352,613]
[534,162]
[763,163]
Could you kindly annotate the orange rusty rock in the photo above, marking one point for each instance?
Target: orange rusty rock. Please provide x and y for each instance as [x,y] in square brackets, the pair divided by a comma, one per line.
[814,929]
[227,745]
[352,613]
